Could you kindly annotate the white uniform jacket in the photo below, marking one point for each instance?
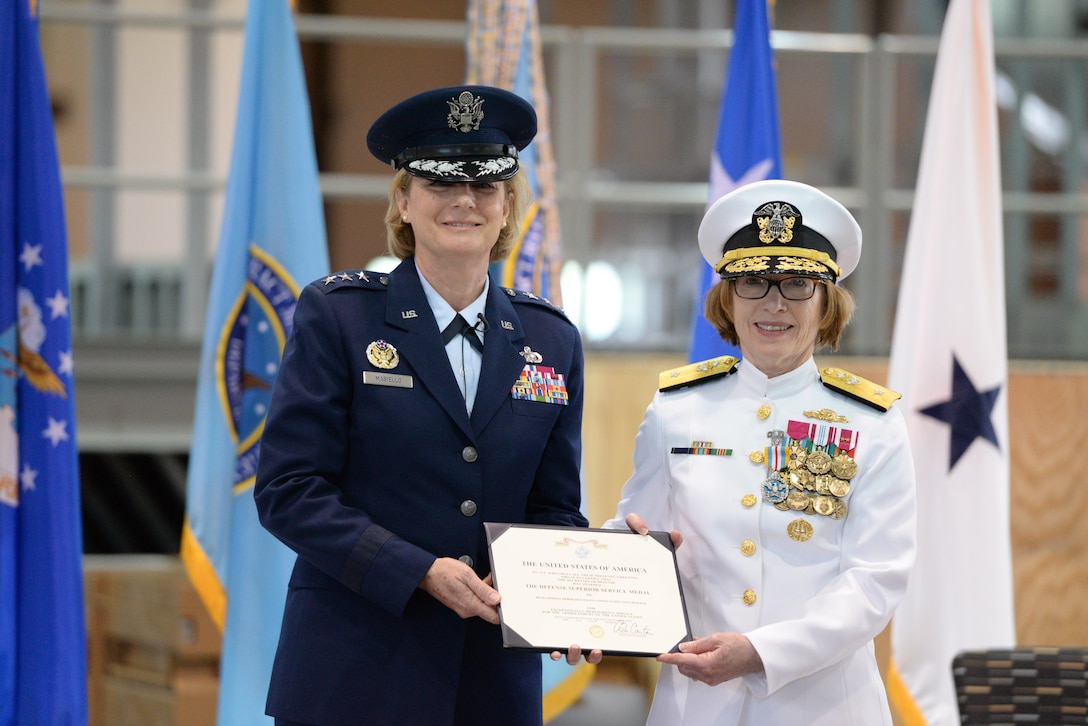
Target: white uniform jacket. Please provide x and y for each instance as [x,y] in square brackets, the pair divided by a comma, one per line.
[810,590]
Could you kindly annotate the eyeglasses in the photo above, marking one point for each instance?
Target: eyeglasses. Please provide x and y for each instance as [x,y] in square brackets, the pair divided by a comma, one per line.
[755,287]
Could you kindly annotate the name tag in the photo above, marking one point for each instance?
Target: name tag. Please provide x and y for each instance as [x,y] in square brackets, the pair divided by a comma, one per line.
[377,378]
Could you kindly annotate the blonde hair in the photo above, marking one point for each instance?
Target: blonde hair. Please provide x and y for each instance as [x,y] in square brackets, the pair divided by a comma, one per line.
[401,239]
[838,309]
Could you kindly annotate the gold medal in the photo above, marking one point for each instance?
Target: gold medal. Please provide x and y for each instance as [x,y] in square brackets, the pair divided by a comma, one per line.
[843,467]
[840,487]
[382,355]
[799,530]
[823,484]
[803,479]
[763,412]
[823,505]
[797,501]
[818,462]
[838,509]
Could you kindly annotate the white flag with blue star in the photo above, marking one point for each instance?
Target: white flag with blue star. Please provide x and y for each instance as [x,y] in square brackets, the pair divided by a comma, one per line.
[949,360]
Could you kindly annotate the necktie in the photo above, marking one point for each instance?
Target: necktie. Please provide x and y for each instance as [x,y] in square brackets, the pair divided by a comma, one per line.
[460,326]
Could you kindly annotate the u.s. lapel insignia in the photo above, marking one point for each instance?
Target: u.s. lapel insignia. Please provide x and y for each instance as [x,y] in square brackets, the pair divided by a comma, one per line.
[408,314]
[531,356]
[382,355]
[506,325]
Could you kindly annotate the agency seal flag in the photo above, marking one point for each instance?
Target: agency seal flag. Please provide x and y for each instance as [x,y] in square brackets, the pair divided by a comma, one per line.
[504,50]
[43,660]
[271,243]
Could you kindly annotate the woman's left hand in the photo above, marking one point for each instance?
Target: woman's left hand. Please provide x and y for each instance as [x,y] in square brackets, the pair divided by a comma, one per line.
[638,525]
[716,658]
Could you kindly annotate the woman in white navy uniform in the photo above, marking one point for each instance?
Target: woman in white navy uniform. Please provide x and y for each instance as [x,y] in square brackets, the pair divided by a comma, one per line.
[791,484]
[403,418]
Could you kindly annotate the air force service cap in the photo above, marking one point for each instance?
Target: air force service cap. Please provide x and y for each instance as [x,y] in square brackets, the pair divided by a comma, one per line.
[455,134]
[777,227]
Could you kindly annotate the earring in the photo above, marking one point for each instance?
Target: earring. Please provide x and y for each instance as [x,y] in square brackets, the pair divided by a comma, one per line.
[404,218]
[504,223]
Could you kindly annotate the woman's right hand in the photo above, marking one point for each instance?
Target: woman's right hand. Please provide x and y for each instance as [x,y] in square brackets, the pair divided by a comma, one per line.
[456,585]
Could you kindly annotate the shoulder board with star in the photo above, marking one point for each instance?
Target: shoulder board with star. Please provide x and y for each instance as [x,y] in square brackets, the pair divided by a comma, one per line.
[695,373]
[353,279]
[520,296]
[859,389]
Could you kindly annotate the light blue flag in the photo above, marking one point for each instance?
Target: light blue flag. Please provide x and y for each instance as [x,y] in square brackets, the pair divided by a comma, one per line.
[747,148]
[271,244]
[43,656]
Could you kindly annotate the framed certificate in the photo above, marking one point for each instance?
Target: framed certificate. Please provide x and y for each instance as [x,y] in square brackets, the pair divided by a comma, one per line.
[606,589]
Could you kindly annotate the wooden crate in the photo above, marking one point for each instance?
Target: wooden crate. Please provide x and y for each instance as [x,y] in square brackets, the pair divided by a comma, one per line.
[152,648]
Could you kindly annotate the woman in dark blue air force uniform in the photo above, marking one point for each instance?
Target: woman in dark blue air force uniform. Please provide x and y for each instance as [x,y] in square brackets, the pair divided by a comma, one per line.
[388,443]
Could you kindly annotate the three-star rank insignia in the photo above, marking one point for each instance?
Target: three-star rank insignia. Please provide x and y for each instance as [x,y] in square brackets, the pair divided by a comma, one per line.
[695,373]
[858,388]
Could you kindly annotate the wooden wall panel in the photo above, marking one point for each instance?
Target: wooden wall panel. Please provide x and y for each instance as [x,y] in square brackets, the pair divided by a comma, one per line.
[1049,502]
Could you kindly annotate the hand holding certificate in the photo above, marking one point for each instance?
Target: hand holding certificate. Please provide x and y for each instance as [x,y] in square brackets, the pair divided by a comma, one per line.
[609,590]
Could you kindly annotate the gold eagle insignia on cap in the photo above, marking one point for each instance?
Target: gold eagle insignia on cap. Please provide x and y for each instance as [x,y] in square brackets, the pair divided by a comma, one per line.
[695,373]
[858,388]
[775,221]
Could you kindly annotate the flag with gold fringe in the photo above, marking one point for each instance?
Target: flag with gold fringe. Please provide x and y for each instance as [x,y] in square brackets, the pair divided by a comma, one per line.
[43,652]
[949,360]
[271,242]
[503,50]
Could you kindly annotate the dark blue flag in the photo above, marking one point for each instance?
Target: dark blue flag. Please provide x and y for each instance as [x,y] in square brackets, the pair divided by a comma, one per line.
[43,661]
[747,148]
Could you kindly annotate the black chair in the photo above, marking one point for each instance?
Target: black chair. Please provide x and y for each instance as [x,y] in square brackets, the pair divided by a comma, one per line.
[1022,686]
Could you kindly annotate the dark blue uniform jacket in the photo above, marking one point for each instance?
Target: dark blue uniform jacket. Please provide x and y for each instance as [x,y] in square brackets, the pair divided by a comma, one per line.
[369,473]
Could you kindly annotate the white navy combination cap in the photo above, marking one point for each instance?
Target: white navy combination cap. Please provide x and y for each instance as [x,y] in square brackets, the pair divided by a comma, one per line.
[777,227]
